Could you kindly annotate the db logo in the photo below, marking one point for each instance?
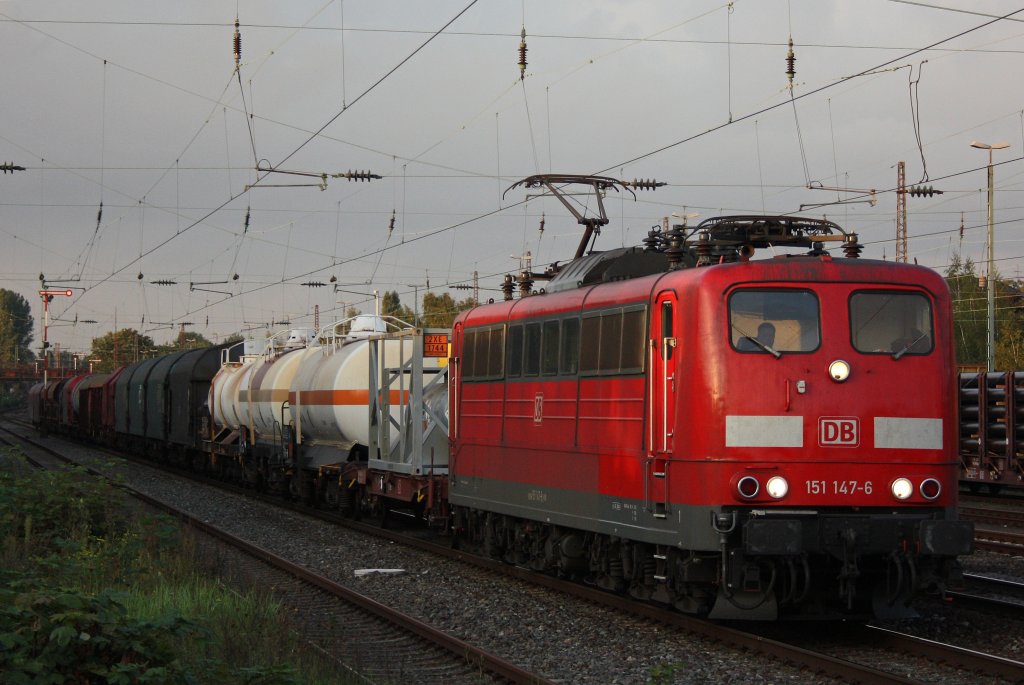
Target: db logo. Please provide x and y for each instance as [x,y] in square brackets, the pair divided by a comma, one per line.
[838,431]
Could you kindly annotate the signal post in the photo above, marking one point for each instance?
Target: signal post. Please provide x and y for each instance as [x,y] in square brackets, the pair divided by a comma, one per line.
[48,295]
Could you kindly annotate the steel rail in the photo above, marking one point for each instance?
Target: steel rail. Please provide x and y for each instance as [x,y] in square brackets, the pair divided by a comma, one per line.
[968,659]
[997,540]
[991,594]
[978,514]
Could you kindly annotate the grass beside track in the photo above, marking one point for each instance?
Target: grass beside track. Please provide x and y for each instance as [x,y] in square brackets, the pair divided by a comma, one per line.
[90,592]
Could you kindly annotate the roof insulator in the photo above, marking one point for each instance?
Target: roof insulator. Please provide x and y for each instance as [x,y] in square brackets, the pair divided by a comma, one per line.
[522,55]
[790,63]
[237,42]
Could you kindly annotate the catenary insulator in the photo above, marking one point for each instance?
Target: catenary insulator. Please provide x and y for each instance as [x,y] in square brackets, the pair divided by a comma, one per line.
[653,241]
[525,284]
[703,249]
[852,248]
[522,55]
[790,62]
[644,183]
[99,215]
[507,287]
[357,175]
[245,228]
[314,284]
[675,250]
[542,223]
[237,45]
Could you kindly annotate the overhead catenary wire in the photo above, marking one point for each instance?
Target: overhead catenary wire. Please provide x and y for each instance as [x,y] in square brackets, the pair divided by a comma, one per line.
[728,53]
[814,91]
[341,8]
[476,218]
[235,196]
[915,114]
[549,155]
[237,46]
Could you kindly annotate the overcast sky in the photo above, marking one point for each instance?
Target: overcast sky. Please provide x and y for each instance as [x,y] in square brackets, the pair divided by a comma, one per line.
[138,105]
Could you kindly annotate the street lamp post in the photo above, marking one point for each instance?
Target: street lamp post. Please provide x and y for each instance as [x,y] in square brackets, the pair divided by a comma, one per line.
[990,343]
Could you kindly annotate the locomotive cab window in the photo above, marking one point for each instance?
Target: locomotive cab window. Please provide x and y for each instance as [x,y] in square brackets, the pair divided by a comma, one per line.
[894,323]
[774,321]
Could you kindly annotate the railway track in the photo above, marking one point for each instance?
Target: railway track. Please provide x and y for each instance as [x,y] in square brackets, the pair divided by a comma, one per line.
[999,540]
[1003,516]
[340,623]
[994,595]
[831,659]
[999,523]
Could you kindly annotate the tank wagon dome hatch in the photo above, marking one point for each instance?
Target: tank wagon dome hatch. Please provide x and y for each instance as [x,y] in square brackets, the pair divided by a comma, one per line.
[360,327]
[717,240]
[365,325]
[297,338]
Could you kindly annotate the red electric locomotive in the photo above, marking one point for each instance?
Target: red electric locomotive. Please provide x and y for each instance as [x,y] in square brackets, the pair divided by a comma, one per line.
[746,438]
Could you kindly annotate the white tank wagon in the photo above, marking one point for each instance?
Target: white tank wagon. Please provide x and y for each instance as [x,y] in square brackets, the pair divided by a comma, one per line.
[330,397]
[224,396]
[245,397]
[266,395]
[370,411]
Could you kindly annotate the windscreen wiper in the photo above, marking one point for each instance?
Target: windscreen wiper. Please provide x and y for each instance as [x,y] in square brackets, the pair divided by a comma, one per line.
[764,346]
[906,348]
[760,343]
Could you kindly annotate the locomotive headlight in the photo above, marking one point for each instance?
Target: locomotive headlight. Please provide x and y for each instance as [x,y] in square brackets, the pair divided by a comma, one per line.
[902,488]
[930,488]
[777,487]
[748,487]
[839,370]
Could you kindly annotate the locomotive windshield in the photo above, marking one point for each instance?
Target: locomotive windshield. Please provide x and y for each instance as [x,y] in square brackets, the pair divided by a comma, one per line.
[894,323]
[774,321]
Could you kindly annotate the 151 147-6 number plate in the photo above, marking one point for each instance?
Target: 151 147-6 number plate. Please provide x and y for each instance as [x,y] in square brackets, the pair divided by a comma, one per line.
[838,487]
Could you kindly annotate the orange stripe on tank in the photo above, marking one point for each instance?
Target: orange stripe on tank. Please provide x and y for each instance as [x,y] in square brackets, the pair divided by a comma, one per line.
[342,397]
[276,395]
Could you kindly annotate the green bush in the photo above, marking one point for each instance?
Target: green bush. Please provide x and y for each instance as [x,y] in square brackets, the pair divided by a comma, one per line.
[62,635]
[96,594]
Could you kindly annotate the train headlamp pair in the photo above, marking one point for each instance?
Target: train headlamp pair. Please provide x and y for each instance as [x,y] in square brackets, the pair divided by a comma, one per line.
[903,488]
[749,487]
